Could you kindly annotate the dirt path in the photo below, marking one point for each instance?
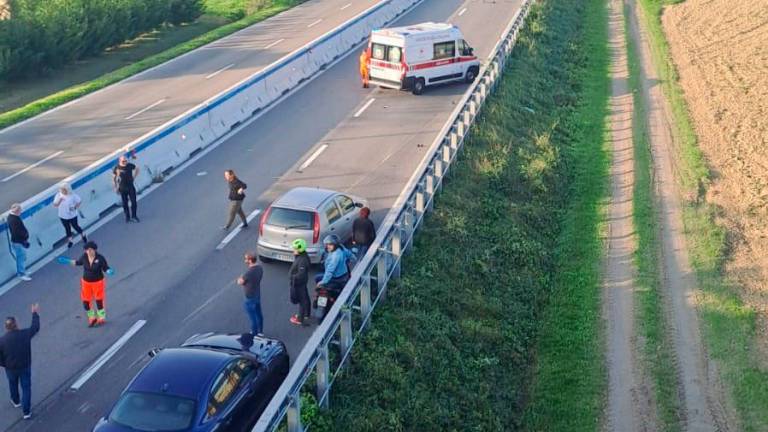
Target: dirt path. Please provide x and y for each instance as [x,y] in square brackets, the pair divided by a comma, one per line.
[629,407]
[702,394]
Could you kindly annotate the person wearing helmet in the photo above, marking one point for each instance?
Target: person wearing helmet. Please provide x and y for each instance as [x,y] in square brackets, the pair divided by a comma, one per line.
[92,285]
[336,264]
[299,275]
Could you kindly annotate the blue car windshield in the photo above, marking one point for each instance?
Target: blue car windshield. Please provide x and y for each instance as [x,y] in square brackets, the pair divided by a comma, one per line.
[153,412]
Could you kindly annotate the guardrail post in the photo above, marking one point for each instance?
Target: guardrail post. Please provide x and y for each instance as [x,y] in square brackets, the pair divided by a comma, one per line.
[473,107]
[365,297]
[322,372]
[460,129]
[419,200]
[397,251]
[346,331]
[382,275]
[430,187]
[454,140]
[467,119]
[294,414]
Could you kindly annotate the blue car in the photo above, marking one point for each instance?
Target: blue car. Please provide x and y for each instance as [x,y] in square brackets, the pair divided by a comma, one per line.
[213,382]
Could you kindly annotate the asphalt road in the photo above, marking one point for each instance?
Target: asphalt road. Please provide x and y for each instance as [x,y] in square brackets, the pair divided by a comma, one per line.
[78,134]
[169,272]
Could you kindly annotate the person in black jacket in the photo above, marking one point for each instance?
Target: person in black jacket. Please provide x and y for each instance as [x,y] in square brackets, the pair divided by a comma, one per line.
[299,275]
[19,241]
[16,358]
[236,197]
[363,232]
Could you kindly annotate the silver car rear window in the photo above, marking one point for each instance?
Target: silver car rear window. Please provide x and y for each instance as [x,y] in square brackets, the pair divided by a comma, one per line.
[290,218]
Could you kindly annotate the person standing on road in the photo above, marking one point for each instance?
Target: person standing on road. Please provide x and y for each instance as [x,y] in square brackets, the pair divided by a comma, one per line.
[123,177]
[363,232]
[19,241]
[364,58]
[68,204]
[236,197]
[92,285]
[16,358]
[299,275]
[251,283]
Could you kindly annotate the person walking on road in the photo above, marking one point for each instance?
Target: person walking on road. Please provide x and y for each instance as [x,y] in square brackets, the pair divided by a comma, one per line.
[123,177]
[299,275]
[363,232]
[68,204]
[364,58]
[16,358]
[19,241]
[236,197]
[251,283]
[92,285]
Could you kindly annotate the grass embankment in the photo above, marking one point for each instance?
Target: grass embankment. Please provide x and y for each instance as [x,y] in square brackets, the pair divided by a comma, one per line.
[517,225]
[60,97]
[729,325]
[657,350]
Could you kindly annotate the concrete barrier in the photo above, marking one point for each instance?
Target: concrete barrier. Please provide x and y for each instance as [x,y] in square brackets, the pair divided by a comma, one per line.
[169,145]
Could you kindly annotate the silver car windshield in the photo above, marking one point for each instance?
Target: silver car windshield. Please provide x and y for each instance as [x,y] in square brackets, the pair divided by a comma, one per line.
[290,218]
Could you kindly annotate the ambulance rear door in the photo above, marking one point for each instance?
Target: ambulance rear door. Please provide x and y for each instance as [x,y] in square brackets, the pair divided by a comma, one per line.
[386,63]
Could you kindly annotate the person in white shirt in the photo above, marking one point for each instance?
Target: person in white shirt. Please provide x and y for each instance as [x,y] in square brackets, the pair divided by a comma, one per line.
[68,202]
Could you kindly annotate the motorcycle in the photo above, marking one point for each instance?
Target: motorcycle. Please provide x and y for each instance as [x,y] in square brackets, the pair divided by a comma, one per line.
[325,296]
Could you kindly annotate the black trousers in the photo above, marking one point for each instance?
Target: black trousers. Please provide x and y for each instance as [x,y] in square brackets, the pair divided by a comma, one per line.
[69,224]
[305,308]
[125,195]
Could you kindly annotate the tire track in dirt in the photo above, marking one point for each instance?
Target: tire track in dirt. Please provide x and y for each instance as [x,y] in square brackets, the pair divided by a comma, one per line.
[703,397]
[629,406]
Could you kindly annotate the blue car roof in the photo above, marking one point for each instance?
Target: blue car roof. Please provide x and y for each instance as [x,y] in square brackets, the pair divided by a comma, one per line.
[180,371]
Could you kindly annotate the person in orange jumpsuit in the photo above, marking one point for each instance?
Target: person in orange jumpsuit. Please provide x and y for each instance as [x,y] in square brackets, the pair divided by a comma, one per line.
[92,284]
[364,67]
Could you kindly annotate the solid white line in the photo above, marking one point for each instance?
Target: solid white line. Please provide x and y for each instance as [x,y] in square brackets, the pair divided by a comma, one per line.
[101,361]
[365,107]
[237,229]
[346,6]
[145,109]
[461,12]
[34,165]
[219,71]
[315,23]
[273,43]
[313,157]
[202,306]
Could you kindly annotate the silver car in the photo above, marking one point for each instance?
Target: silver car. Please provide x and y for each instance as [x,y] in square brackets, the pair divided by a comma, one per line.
[307,213]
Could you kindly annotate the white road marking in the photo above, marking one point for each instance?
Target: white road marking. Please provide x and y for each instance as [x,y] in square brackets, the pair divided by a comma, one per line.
[273,43]
[34,165]
[219,71]
[237,229]
[461,12]
[207,302]
[314,23]
[346,6]
[145,109]
[365,107]
[313,157]
[101,361]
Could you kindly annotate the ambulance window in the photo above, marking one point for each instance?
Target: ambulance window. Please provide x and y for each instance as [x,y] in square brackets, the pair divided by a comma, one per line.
[464,48]
[445,50]
[394,54]
[378,51]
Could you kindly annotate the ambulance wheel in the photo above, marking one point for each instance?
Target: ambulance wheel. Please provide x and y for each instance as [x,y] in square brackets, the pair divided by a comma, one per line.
[471,75]
[418,86]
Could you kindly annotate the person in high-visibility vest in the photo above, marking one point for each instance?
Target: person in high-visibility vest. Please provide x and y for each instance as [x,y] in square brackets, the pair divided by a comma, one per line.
[364,67]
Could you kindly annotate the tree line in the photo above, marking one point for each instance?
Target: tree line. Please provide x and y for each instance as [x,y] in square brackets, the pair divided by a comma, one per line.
[41,35]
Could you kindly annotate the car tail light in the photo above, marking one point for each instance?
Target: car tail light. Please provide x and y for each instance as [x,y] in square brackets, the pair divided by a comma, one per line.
[316,229]
[264,220]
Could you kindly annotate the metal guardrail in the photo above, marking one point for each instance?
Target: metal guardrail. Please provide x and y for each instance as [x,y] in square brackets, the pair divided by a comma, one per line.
[326,352]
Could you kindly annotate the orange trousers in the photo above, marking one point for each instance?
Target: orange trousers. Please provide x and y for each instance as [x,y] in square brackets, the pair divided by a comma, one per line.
[92,290]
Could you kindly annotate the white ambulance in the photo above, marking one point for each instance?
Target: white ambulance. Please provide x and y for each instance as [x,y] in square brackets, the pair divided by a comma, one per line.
[416,56]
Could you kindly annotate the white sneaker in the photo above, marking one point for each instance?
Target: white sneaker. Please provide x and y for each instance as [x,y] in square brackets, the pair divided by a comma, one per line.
[27,416]
[15,405]
[25,277]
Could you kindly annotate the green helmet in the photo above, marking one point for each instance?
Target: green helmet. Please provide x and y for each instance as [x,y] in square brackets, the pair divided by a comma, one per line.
[299,245]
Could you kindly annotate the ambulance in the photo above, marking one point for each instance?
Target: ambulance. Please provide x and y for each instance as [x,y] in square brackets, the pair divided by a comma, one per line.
[420,55]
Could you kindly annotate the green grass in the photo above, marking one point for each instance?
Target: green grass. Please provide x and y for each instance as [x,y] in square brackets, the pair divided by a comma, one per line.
[728,325]
[656,349]
[61,97]
[569,381]
[514,232]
